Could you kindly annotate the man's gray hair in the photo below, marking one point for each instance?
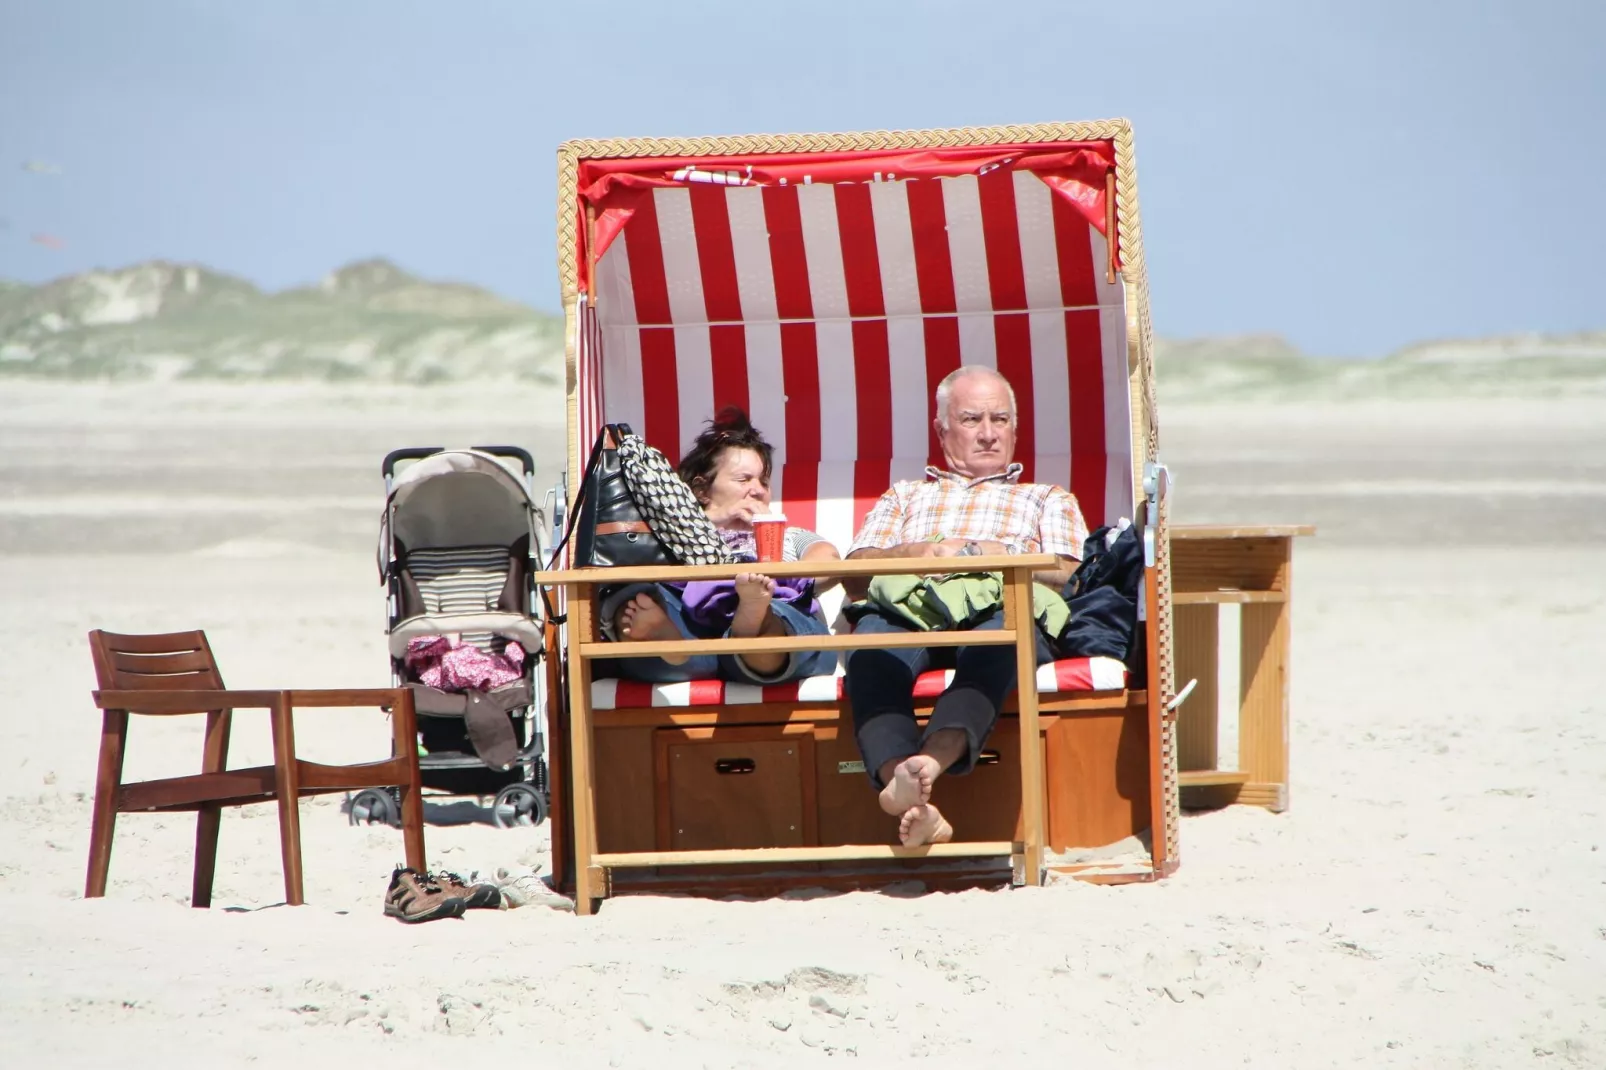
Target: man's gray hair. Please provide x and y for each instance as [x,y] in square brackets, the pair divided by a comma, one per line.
[945,389]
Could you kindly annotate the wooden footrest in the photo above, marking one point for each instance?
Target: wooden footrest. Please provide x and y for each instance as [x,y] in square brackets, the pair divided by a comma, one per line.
[1202,778]
[181,793]
[845,853]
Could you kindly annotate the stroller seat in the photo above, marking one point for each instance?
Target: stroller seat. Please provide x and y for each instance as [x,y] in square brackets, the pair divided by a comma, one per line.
[478,592]
[474,592]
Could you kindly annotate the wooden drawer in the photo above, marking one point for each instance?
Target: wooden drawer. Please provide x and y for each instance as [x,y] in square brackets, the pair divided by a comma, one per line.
[724,788]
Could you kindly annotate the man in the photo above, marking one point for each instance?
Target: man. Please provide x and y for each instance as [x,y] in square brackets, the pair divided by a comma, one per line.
[976,506]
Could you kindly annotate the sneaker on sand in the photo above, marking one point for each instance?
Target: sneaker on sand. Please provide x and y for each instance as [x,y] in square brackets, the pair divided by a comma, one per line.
[481,896]
[415,896]
[524,886]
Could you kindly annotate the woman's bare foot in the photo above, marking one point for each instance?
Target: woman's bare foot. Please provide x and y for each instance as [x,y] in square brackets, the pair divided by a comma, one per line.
[910,784]
[924,824]
[753,618]
[643,620]
[753,594]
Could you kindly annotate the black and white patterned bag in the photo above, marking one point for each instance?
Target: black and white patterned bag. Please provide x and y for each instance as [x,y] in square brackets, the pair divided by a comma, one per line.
[668,505]
[633,509]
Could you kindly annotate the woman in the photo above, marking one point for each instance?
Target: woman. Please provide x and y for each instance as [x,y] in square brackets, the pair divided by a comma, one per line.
[728,469]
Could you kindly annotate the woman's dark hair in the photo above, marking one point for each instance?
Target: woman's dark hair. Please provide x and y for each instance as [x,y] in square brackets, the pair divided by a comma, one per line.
[729,430]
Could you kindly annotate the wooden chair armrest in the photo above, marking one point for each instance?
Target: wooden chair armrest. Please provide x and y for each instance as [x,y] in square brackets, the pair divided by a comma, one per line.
[176,702]
[327,698]
[880,566]
[1239,531]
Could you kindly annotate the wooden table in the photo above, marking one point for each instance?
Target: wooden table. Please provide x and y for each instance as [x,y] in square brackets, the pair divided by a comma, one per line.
[1248,566]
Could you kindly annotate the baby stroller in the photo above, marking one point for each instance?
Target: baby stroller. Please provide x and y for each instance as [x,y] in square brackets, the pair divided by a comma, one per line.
[459,546]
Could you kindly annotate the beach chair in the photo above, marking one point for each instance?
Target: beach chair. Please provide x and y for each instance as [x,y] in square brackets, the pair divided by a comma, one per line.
[826,283]
[175,674]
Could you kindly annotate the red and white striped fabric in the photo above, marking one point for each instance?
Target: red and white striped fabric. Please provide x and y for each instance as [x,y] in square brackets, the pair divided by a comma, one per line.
[831,312]
[1075,674]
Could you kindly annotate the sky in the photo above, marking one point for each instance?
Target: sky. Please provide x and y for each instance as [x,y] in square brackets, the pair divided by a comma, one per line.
[1354,175]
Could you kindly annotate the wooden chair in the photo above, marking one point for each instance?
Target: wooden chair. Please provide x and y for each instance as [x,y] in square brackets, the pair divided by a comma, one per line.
[161,675]
[827,283]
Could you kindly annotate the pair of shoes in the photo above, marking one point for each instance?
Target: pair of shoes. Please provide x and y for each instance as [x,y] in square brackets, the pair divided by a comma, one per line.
[414,896]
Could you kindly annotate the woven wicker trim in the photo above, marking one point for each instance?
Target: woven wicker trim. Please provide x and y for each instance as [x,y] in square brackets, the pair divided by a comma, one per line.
[1170,786]
[1146,446]
[743,144]
[1129,228]
[571,363]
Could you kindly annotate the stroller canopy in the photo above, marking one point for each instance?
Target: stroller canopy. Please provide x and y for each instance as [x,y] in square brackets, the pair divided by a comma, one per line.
[456,498]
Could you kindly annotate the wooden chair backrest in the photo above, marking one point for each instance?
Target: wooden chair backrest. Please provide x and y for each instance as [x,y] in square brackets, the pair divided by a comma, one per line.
[178,661]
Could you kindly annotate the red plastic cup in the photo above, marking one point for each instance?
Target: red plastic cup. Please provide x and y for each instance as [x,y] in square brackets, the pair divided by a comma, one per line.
[770,534]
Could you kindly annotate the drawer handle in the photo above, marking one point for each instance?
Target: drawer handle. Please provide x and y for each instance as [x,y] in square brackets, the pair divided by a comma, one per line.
[734,766]
[987,757]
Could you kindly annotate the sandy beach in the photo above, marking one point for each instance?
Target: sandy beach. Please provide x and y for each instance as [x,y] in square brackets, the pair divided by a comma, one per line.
[1434,897]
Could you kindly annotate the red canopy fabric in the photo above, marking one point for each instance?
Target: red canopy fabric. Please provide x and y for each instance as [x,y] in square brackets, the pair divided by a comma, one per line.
[1075,170]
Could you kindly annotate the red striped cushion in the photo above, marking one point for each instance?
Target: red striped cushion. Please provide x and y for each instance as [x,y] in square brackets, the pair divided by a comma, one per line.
[1071,674]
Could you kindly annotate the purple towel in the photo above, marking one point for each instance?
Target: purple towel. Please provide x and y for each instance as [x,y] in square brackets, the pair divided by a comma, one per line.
[710,604]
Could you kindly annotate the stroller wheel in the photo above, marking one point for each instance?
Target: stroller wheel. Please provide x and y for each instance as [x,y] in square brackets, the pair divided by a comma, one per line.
[375,806]
[518,806]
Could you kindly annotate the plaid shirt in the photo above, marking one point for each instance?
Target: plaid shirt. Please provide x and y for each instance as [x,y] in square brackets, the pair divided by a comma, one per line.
[1026,517]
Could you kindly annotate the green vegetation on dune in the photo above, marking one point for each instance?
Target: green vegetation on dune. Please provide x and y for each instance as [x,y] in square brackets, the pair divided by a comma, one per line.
[369,321]
[1268,368]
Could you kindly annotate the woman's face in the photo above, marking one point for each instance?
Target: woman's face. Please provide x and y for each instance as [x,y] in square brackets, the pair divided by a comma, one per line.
[738,489]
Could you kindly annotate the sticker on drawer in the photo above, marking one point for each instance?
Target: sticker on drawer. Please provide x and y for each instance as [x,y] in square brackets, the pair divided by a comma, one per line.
[850,767]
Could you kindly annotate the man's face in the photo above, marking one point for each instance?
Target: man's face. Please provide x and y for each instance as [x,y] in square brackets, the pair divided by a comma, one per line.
[980,437]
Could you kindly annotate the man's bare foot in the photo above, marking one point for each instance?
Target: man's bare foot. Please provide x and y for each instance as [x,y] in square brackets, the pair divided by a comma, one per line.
[910,784]
[753,618]
[643,620]
[922,825]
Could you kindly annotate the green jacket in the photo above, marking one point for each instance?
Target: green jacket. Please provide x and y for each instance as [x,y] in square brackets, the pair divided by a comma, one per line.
[947,603]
